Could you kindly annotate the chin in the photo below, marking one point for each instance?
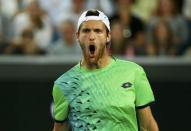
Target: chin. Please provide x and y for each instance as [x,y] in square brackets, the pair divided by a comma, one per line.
[92,61]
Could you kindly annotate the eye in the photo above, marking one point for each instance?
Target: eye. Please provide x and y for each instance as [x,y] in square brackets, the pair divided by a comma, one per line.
[86,30]
[98,30]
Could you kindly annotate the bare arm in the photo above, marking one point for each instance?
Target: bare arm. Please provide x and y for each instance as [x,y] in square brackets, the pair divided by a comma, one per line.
[146,120]
[61,126]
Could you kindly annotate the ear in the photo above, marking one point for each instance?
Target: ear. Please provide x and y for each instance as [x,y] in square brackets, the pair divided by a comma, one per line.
[108,37]
[77,36]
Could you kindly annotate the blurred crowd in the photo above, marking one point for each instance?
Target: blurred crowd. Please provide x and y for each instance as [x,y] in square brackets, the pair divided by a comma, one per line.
[139,27]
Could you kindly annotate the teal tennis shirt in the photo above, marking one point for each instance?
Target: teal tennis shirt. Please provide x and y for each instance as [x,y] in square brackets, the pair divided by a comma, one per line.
[102,99]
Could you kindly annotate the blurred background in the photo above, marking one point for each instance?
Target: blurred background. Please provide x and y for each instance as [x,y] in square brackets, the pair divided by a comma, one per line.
[38,44]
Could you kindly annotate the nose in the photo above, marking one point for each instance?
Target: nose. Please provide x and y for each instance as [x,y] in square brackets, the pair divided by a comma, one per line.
[92,36]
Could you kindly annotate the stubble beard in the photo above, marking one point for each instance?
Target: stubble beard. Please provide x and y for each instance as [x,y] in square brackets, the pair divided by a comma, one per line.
[100,52]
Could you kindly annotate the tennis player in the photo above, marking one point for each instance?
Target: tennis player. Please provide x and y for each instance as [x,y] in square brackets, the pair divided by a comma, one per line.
[102,93]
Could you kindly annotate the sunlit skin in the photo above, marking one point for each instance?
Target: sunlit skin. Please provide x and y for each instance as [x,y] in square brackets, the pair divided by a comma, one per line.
[94,33]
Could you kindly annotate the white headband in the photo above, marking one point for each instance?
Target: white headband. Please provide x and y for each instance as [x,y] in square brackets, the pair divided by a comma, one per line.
[101,17]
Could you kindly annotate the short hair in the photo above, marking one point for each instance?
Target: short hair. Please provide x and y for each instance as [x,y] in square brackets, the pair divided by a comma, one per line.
[92,12]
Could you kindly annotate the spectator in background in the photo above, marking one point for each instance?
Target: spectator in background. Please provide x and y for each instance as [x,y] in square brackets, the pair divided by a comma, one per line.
[118,43]
[137,47]
[55,9]
[187,14]
[144,8]
[12,7]
[2,37]
[59,10]
[3,43]
[9,7]
[71,13]
[168,11]
[132,26]
[117,39]
[163,43]
[8,10]
[104,5]
[25,44]
[67,43]
[77,6]
[35,18]
[4,31]
[187,9]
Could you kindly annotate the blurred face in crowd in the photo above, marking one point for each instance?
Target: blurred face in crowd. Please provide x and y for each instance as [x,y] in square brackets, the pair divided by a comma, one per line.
[163,37]
[93,37]
[167,6]
[67,31]
[35,13]
[116,29]
[78,5]
[162,32]
[34,8]
[116,37]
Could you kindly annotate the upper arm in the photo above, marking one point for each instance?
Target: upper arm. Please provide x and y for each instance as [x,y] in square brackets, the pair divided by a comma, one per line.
[146,119]
[60,110]
[144,96]
[143,92]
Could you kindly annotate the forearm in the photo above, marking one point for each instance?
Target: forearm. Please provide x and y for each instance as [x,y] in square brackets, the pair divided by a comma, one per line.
[146,120]
[61,127]
[151,127]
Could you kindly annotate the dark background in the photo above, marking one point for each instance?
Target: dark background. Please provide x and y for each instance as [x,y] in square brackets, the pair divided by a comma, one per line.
[26,86]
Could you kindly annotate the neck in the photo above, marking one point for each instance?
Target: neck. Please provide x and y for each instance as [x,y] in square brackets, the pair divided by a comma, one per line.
[101,62]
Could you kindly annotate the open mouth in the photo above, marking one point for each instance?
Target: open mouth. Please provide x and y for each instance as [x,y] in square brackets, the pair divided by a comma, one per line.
[92,49]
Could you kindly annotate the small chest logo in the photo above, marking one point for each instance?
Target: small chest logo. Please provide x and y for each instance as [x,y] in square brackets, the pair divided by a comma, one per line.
[126,85]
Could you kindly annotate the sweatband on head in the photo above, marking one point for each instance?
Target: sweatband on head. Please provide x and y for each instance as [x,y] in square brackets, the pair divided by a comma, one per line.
[100,16]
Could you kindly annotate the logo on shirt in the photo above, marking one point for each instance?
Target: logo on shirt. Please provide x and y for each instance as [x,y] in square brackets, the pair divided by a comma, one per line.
[126,85]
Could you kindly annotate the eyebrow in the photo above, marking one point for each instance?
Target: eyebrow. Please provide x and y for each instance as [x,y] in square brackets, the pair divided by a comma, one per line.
[86,29]
[94,29]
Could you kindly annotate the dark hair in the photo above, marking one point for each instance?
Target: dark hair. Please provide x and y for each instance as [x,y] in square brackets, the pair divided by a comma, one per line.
[176,7]
[92,12]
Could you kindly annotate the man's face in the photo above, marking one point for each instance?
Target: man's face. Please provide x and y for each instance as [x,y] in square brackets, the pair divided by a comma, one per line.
[93,37]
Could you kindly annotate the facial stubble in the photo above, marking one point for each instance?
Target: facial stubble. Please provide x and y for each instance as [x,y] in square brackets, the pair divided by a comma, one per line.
[100,54]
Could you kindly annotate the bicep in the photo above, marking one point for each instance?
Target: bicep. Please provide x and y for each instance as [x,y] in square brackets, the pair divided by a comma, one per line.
[146,119]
